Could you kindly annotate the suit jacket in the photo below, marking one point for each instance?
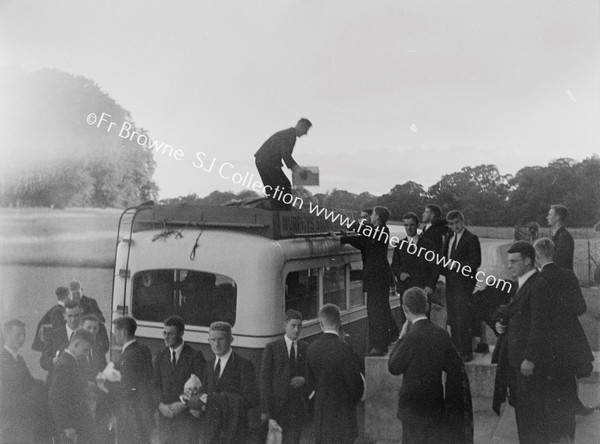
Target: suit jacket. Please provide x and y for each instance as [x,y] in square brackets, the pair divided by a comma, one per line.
[334,371]
[570,348]
[436,234]
[529,319]
[95,362]
[374,248]
[236,387]
[468,252]
[52,319]
[132,397]
[21,397]
[423,273]
[564,248]
[69,397]
[169,382]
[90,306]
[275,376]
[56,341]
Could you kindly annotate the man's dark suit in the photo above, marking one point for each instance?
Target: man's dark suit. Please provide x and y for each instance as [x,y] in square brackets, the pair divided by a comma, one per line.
[377,279]
[90,306]
[23,400]
[288,406]
[459,288]
[69,398]
[53,318]
[436,233]
[570,354]
[236,388]
[529,338]
[132,397]
[56,341]
[564,248]
[334,372]
[169,382]
[421,356]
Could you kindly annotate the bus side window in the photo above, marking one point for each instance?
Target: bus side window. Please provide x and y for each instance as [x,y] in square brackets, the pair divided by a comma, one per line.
[334,286]
[302,292]
[357,295]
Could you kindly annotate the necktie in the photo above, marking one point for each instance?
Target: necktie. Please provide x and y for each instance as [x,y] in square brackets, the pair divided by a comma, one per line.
[218,369]
[454,244]
[173,358]
[293,360]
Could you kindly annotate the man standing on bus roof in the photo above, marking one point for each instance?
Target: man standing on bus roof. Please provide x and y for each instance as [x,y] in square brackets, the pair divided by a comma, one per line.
[172,368]
[277,149]
[283,389]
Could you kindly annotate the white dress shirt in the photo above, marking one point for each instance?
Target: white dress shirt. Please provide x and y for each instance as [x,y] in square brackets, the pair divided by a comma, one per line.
[177,351]
[522,279]
[224,359]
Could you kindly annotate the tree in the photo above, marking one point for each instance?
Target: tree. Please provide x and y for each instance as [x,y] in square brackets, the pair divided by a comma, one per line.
[408,197]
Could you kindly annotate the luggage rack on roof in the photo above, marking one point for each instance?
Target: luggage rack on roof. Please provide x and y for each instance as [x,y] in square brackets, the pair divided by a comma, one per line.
[267,223]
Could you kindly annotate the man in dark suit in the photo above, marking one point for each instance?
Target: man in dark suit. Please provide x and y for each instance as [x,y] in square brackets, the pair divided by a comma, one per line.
[132,397]
[283,389]
[564,245]
[333,370]
[173,366]
[529,347]
[58,338]
[96,359]
[373,242]
[436,227]
[409,265]
[231,390]
[23,400]
[90,306]
[277,149]
[421,355]
[464,251]
[69,401]
[52,319]
[571,356]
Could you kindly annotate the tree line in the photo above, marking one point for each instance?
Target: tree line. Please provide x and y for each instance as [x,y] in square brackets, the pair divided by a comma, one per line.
[482,193]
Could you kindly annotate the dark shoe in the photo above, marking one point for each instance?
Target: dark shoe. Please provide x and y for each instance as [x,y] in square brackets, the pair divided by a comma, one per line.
[376,352]
[466,357]
[482,348]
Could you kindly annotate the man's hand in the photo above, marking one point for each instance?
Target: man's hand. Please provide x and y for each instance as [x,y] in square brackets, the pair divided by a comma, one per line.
[264,417]
[527,367]
[71,434]
[500,328]
[429,291]
[404,276]
[177,407]
[297,381]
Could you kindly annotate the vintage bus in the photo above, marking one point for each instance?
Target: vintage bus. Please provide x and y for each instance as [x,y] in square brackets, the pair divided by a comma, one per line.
[242,265]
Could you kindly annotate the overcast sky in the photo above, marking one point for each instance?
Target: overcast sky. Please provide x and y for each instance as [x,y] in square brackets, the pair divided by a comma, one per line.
[396,90]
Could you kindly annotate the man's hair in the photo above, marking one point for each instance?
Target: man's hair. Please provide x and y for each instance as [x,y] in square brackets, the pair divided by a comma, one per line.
[292,314]
[454,214]
[82,335]
[89,317]
[415,300]
[544,247]
[62,293]
[221,326]
[126,323]
[9,325]
[330,314]
[70,305]
[525,249]
[383,213]
[561,211]
[436,210]
[306,122]
[75,285]
[369,211]
[175,321]
[412,216]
